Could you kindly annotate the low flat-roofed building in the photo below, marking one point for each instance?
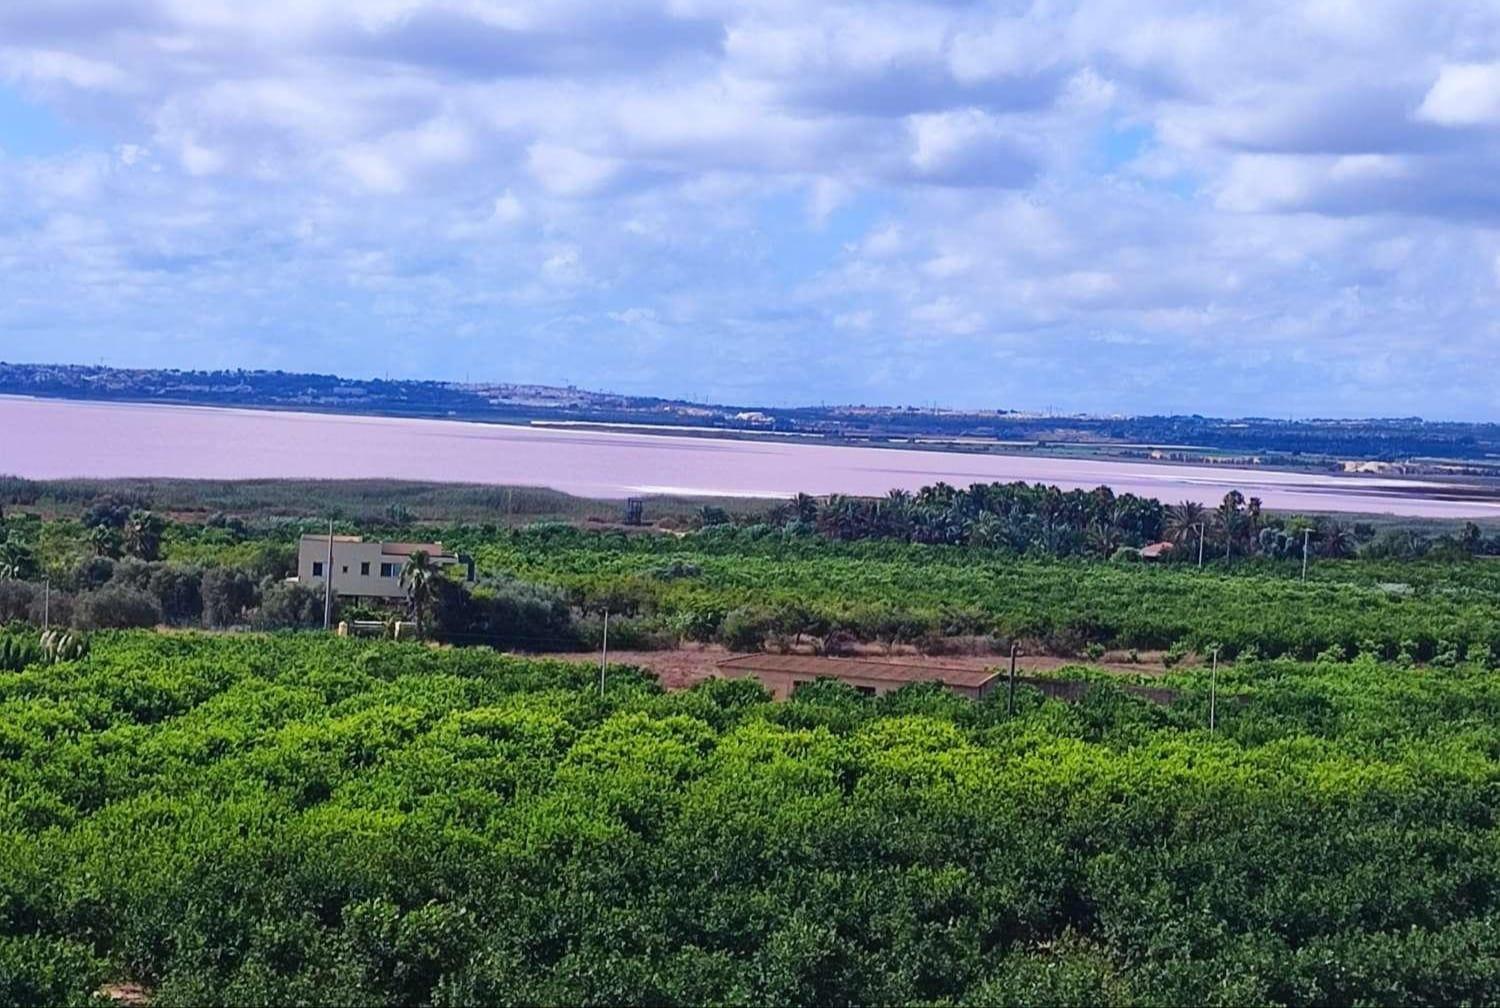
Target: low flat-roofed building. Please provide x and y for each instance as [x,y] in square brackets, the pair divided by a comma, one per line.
[369,570]
[1156,551]
[782,674]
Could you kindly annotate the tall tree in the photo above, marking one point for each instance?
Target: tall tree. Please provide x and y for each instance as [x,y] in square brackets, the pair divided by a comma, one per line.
[1229,519]
[1183,521]
[143,532]
[105,540]
[417,578]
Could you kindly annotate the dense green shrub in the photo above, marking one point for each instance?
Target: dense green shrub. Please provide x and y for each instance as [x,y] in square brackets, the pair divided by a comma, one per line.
[116,607]
[227,593]
[16,600]
[179,592]
[241,819]
[17,651]
[289,605]
[503,613]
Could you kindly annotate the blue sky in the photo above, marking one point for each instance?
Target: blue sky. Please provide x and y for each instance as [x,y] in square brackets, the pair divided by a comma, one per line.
[1106,206]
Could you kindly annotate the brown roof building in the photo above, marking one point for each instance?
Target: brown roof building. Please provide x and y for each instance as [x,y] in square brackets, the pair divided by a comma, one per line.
[782,674]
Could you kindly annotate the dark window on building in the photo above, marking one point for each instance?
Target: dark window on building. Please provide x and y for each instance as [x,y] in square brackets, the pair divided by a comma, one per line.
[389,570]
[346,568]
[317,568]
[364,569]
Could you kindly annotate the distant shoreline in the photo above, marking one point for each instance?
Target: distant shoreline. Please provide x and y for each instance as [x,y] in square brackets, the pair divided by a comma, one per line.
[70,439]
[533,420]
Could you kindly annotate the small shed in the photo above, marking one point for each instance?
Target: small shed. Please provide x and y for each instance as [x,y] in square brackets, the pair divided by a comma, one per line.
[782,674]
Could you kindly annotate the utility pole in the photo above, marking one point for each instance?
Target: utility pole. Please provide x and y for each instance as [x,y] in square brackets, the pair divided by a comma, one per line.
[1213,691]
[1306,535]
[46,603]
[1200,545]
[328,582]
[1010,688]
[603,654]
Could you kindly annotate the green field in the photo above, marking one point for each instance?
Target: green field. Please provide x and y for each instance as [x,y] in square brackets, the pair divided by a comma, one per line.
[252,819]
[879,590]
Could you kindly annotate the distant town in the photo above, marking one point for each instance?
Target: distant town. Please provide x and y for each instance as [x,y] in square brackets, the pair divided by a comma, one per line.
[1407,446]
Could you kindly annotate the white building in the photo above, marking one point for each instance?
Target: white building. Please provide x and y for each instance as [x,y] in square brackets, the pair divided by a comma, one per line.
[363,570]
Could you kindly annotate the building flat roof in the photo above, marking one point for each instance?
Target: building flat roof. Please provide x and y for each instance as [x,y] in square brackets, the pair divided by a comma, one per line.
[434,550]
[407,549]
[860,668]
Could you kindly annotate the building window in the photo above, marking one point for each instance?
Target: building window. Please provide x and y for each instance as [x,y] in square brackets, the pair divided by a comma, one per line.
[364,569]
[389,570]
[346,568]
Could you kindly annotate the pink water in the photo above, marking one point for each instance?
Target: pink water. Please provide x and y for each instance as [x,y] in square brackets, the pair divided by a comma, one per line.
[48,439]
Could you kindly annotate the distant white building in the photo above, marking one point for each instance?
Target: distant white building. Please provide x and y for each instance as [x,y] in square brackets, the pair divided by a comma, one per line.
[1360,466]
[755,417]
[363,570]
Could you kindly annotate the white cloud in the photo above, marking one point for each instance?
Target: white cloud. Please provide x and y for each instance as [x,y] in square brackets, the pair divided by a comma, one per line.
[963,146]
[1464,94]
[200,160]
[565,171]
[507,209]
[754,181]
[50,66]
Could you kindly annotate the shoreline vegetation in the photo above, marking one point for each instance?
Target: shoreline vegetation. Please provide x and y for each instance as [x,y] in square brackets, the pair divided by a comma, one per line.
[1061,572]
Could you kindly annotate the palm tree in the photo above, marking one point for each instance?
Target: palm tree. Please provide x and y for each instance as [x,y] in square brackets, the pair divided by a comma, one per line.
[1229,519]
[417,577]
[1335,540]
[16,561]
[143,535]
[1183,521]
[806,508]
[1104,538]
[105,541]
[893,514]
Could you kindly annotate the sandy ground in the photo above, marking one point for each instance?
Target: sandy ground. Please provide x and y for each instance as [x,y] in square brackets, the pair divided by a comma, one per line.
[681,668]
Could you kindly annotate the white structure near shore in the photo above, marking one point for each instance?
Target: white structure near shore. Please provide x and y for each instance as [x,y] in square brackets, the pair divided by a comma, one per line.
[363,570]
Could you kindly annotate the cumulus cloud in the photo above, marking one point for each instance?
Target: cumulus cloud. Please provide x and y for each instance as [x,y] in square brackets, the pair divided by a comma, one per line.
[1465,94]
[1005,204]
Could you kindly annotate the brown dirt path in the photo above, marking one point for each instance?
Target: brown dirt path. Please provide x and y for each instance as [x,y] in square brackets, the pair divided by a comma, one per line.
[682,667]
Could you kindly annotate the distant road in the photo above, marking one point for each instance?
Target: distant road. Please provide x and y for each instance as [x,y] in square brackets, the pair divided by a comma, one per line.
[55,439]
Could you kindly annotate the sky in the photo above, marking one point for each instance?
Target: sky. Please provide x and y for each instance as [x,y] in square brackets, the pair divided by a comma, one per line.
[1105,206]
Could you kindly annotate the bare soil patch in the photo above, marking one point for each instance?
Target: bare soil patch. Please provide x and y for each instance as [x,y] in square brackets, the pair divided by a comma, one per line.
[680,668]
